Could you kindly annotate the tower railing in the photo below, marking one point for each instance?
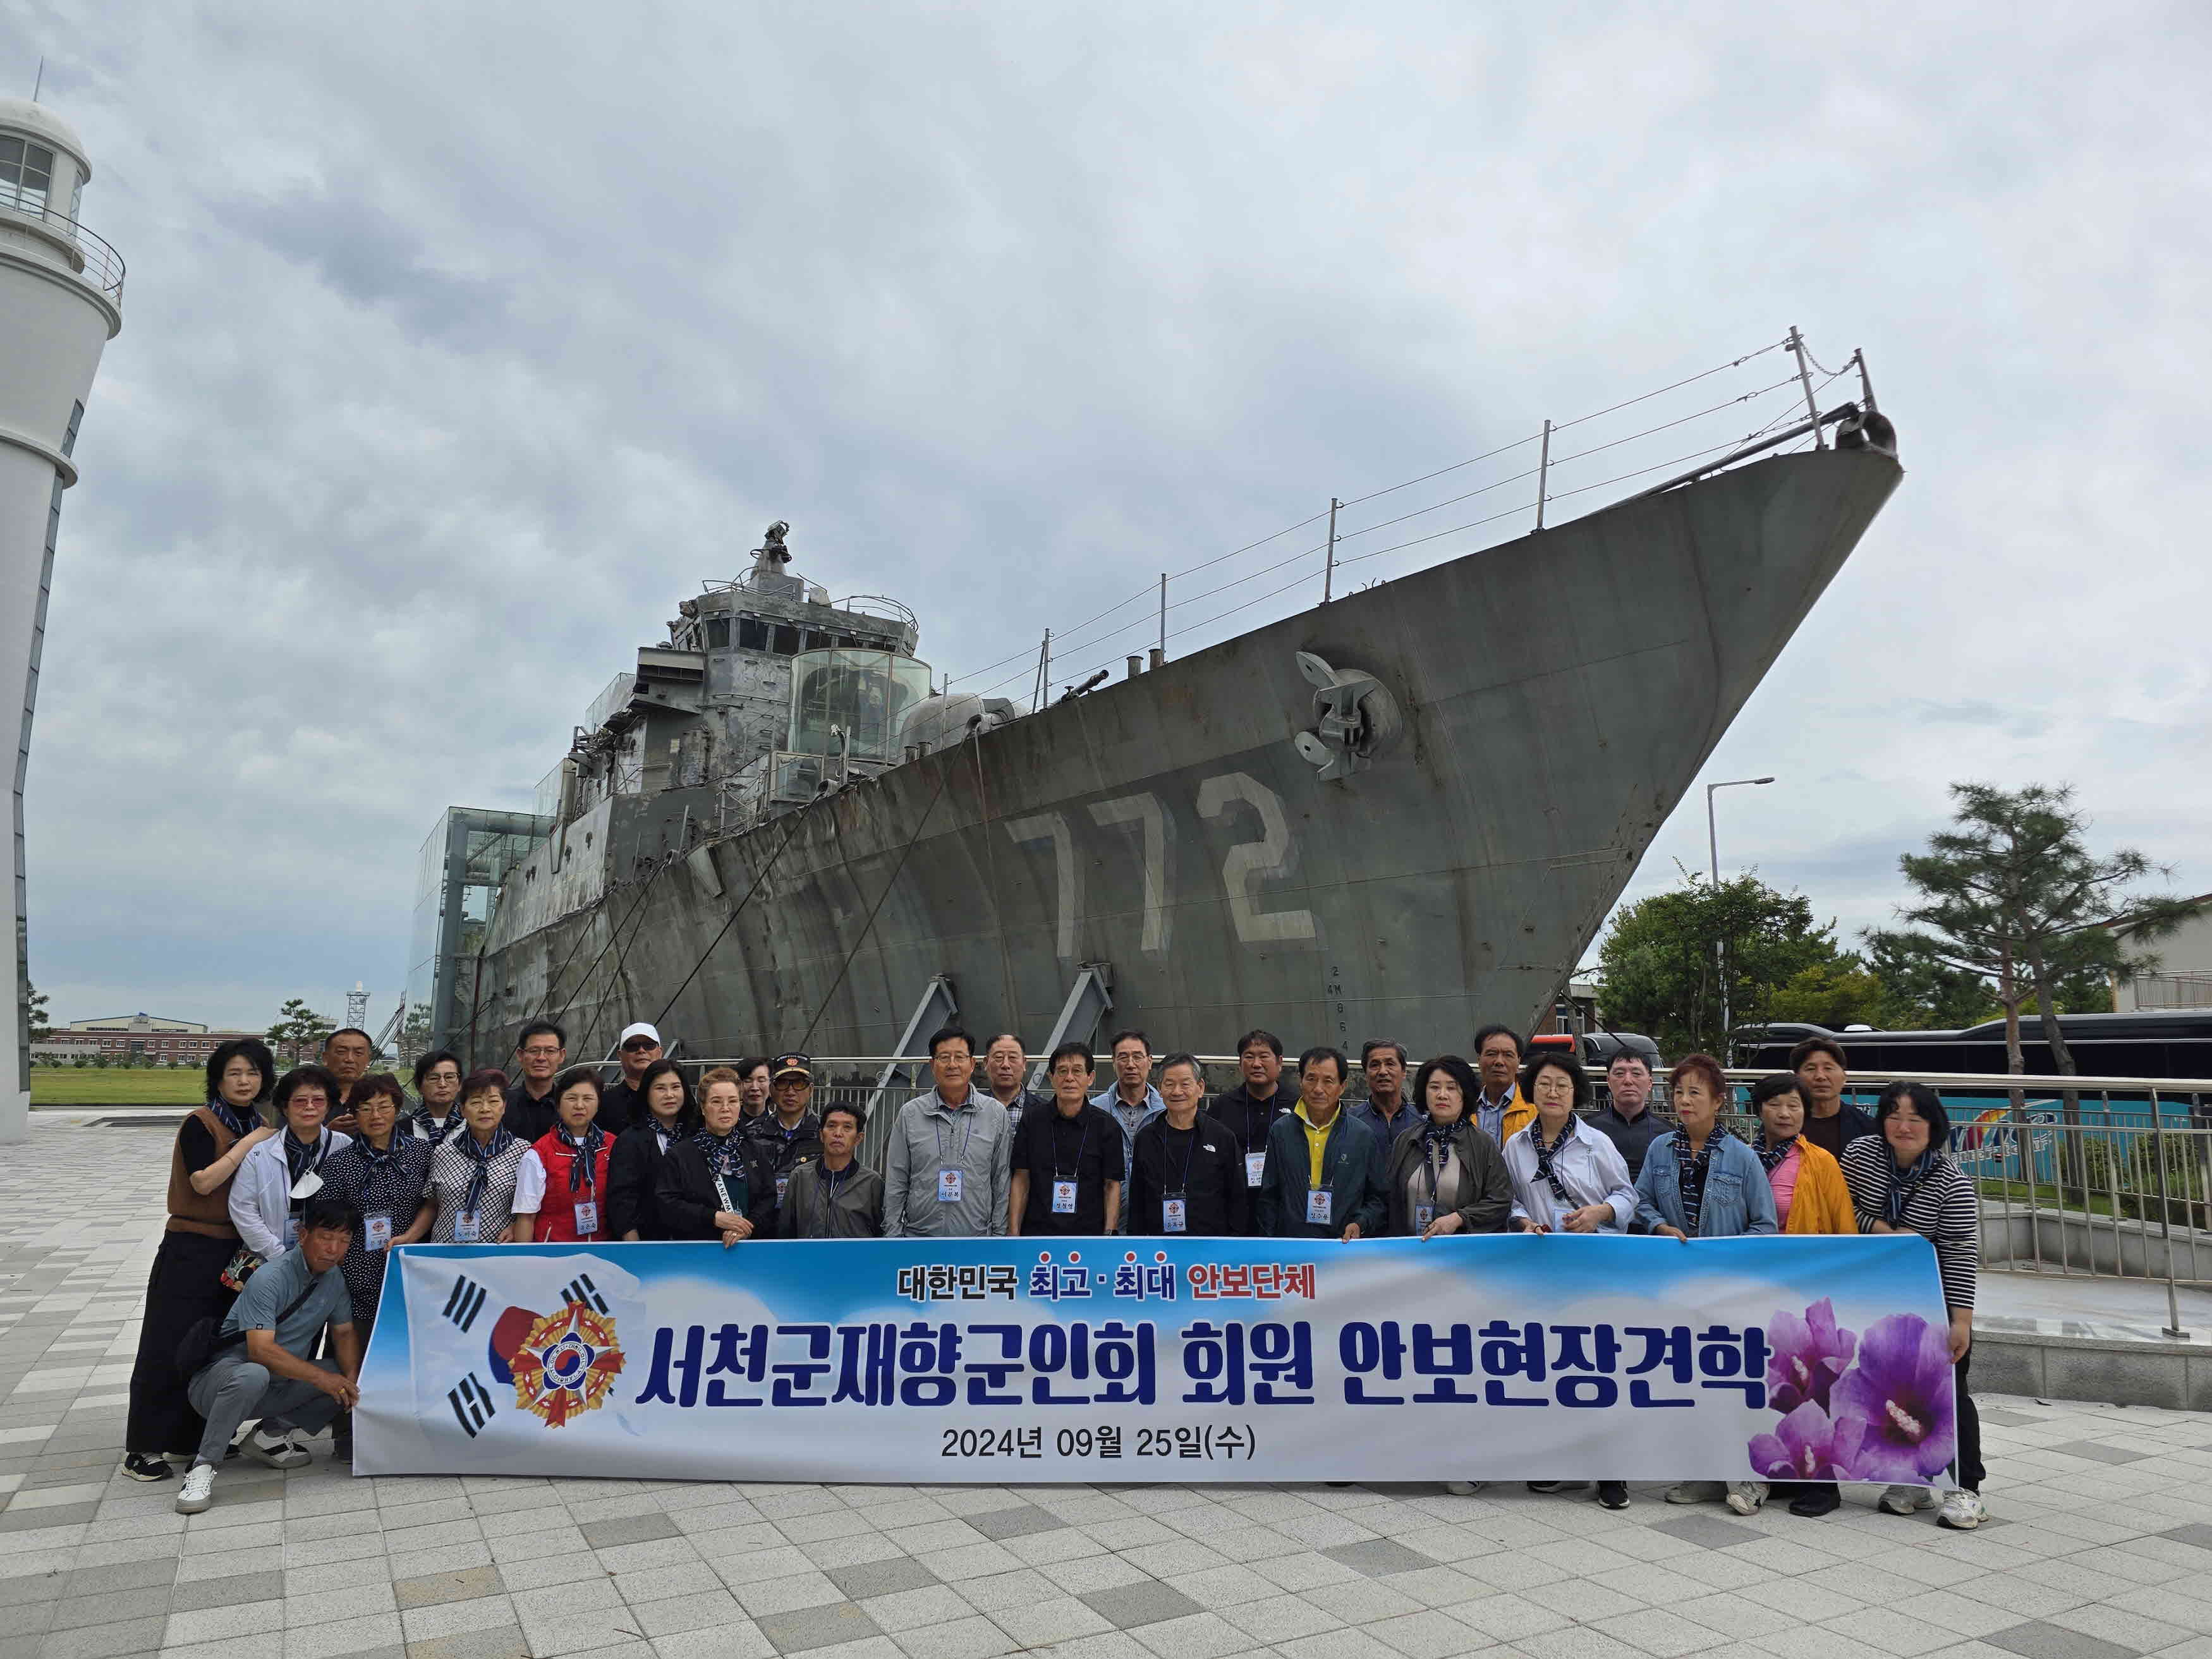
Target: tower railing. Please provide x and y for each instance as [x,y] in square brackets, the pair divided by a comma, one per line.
[91,256]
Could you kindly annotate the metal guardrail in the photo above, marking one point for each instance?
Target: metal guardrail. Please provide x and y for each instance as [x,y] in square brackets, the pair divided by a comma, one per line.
[93,257]
[2118,1184]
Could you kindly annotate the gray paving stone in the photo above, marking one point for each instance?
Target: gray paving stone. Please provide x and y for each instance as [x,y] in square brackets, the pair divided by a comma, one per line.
[2195,1532]
[464,1585]
[506,1642]
[1125,1607]
[628,1529]
[2097,1452]
[805,1628]
[109,1606]
[2037,1640]
[1376,1556]
[1709,1530]
[880,1577]
[225,1592]
[1020,1521]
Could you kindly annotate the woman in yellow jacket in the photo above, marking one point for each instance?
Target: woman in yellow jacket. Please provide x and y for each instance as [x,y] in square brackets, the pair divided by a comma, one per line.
[1809,1197]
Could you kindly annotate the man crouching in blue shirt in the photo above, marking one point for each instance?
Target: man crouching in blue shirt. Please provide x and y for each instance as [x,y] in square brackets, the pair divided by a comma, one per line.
[261,1365]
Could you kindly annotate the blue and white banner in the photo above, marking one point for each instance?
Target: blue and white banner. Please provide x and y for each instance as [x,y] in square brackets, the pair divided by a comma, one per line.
[1010,1360]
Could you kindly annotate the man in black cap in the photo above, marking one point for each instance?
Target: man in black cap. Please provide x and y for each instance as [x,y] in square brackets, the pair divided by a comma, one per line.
[788,1134]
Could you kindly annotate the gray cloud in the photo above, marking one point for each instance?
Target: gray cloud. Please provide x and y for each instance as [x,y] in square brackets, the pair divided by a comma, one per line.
[457,352]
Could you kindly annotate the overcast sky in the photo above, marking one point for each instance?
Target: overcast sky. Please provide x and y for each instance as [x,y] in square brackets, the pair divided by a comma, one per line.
[457,351]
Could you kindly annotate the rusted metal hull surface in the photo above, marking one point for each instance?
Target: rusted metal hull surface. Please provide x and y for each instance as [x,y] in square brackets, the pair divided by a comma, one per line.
[1558,694]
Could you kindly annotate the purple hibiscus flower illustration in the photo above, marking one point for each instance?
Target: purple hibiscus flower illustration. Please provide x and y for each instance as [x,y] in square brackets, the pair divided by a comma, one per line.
[1900,1391]
[1807,1357]
[1806,1446]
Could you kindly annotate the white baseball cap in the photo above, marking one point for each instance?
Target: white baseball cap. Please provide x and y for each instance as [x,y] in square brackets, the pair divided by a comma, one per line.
[639,1030]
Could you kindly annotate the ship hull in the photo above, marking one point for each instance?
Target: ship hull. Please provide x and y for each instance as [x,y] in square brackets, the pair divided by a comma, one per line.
[1557,694]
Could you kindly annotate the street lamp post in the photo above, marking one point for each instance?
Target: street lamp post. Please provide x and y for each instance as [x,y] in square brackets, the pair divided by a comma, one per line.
[1720,941]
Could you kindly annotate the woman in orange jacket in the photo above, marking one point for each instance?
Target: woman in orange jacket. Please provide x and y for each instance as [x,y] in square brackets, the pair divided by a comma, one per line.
[1809,1197]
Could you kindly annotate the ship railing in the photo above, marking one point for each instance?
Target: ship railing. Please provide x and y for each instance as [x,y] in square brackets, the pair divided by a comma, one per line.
[91,256]
[2081,1177]
[1774,396]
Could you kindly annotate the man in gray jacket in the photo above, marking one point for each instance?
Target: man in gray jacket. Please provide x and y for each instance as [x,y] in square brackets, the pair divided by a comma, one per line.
[951,1158]
[833,1196]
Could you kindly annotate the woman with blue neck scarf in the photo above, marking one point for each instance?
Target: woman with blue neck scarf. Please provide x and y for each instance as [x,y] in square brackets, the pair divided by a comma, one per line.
[563,1183]
[198,1244]
[473,1173]
[1445,1177]
[285,1171]
[714,1184]
[1904,1180]
[1699,1181]
[382,1175]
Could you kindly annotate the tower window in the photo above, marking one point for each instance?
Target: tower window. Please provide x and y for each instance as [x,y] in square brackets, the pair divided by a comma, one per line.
[787,641]
[752,634]
[718,633]
[27,170]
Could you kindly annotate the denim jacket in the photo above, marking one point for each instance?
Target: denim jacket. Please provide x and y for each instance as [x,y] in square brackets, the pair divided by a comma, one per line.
[1737,1198]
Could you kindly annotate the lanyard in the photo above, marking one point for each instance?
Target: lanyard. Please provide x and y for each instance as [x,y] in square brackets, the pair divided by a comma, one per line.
[1082,1147]
[967,1132]
[1266,1111]
[1189,1147]
[1436,1167]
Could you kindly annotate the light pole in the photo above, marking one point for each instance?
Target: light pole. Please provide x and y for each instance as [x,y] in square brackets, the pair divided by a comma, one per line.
[1720,941]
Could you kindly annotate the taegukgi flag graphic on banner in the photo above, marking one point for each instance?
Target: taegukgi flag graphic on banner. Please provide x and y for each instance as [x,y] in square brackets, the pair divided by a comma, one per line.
[1011,1360]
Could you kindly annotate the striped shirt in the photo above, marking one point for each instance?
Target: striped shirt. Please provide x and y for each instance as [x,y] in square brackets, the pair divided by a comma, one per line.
[1944,1210]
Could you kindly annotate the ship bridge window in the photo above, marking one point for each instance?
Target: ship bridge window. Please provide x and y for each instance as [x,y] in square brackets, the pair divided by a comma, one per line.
[786,642]
[27,170]
[718,633]
[752,634]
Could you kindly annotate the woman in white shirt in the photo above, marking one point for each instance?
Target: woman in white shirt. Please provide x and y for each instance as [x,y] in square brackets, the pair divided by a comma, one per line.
[280,1174]
[1567,1177]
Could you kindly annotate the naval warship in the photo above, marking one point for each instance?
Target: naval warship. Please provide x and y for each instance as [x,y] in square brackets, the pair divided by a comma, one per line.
[1397,814]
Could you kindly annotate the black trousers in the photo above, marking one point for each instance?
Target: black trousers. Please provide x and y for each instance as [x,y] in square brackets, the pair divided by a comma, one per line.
[1969,1466]
[186,1282]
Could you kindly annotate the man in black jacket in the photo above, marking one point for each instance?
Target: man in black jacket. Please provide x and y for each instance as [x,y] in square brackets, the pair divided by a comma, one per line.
[1831,1122]
[789,1134]
[1188,1175]
[1249,1110]
[620,1104]
[542,1049]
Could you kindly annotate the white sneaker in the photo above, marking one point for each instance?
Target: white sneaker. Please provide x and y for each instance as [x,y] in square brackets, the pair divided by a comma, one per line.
[1902,1500]
[276,1450]
[1746,1497]
[199,1490]
[1464,1488]
[1695,1492]
[1963,1511]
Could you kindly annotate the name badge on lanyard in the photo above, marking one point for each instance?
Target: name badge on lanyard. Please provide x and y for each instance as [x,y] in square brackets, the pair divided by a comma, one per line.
[1319,1202]
[782,1186]
[1255,1165]
[948,1186]
[376,1233]
[1423,1215]
[1173,1215]
[1063,1198]
[588,1218]
[465,1227]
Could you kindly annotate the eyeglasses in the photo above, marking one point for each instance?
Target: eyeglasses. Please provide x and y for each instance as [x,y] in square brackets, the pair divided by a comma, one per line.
[635,1044]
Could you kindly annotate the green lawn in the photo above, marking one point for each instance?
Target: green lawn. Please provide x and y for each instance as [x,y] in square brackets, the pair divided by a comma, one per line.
[69,1085]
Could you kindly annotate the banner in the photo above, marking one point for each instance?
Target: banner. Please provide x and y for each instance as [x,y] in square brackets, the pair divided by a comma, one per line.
[1492,1357]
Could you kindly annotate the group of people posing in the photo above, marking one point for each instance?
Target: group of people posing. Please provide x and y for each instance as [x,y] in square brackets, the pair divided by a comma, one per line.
[352,1166]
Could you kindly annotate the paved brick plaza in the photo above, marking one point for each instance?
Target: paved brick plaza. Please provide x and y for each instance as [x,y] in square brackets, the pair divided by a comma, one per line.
[2102,1547]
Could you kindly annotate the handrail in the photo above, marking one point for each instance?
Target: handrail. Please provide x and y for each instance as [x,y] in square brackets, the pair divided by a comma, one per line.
[96,258]
[2034,1082]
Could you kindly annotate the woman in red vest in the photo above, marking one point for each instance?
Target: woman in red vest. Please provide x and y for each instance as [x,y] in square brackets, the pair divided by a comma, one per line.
[563,1176]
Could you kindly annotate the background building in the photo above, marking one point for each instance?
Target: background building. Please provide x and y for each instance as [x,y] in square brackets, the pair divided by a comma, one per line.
[140,1035]
[2183,979]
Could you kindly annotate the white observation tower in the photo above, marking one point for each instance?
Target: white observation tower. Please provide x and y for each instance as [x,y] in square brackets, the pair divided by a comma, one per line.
[61,300]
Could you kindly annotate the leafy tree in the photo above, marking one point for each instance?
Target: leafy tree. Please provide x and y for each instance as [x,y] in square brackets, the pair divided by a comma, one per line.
[2011,894]
[298,1027]
[1920,990]
[36,1000]
[1831,994]
[1663,972]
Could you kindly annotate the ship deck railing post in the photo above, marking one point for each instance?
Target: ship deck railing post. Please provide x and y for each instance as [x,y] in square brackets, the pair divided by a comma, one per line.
[1805,379]
[1329,570]
[1543,473]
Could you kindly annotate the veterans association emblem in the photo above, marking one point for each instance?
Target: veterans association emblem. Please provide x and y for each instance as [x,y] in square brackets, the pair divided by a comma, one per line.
[566,1363]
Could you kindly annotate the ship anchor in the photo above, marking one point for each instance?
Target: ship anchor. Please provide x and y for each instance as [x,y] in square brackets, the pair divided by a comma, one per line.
[1357,719]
